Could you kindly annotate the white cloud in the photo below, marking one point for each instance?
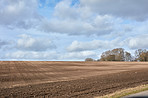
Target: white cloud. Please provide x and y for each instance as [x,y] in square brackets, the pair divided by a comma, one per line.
[138,42]
[48,55]
[22,55]
[79,55]
[76,20]
[111,24]
[94,45]
[29,43]
[130,9]
[64,10]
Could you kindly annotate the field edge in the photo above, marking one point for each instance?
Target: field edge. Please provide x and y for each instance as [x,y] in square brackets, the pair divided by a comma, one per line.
[125,92]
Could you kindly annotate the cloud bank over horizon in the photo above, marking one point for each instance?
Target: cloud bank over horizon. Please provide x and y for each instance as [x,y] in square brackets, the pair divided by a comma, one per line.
[70,29]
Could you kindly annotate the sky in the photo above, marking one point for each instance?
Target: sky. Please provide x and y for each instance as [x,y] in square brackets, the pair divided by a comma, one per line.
[69,30]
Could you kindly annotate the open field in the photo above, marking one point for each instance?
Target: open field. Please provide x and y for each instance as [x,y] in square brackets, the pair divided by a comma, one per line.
[69,79]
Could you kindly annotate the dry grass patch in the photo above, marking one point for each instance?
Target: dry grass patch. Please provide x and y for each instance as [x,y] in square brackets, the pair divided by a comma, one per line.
[125,92]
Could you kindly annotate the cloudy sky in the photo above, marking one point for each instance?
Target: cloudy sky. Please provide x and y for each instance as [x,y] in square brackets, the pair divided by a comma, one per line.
[70,29]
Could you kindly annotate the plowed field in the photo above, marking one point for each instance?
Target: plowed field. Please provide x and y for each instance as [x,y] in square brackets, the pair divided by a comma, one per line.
[68,79]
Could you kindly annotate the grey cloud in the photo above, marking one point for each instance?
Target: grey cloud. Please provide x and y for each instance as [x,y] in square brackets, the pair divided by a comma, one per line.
[130,9]
[19,13]
[100,25]
[3,43]
[76,20]
[29,43]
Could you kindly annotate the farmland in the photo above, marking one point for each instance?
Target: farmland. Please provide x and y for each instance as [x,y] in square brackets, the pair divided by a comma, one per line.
[69,79]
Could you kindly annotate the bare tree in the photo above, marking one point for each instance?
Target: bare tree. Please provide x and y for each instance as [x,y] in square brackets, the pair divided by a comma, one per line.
[143,56]
[139,54]
[113,55]
[105,55]
[117,54]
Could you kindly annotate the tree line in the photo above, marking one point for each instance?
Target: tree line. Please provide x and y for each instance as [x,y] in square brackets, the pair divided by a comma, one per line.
[119,54]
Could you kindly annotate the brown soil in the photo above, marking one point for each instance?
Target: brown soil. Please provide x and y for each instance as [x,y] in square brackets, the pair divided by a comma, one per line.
[69,79]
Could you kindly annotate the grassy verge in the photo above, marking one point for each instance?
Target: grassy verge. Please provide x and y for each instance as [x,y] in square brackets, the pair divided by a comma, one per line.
[125,92]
